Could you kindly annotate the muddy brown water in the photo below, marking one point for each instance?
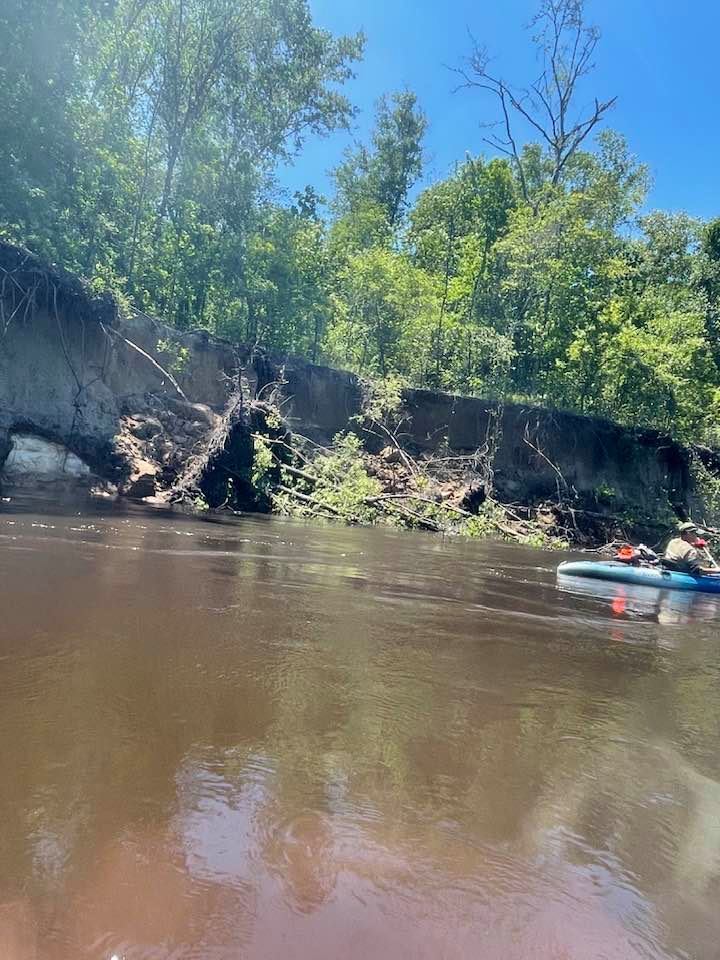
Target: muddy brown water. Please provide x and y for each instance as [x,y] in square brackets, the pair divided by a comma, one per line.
[263,739]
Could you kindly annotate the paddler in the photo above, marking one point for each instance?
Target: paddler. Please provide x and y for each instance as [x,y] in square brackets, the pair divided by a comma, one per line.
[683,556]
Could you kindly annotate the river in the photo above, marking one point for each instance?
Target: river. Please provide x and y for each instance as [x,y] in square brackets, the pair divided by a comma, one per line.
[262,739]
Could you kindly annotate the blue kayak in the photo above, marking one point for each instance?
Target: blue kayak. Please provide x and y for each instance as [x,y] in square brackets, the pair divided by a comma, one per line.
[618,572]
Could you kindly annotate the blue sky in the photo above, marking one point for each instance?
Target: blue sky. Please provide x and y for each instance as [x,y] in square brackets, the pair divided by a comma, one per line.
[659,57]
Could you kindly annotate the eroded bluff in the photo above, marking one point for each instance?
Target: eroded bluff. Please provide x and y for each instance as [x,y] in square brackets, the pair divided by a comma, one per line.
[120,402]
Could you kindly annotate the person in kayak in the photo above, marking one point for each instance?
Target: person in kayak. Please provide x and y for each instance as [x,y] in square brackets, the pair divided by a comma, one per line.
[681,554]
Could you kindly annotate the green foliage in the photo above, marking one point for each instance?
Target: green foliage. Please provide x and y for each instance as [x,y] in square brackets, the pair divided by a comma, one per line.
[491,521]
[175,356]
[139,149]
[336,484]
[343,482]
[707,484]
[379,306]
[454,229]
[142,138]
[381,177]
[286,282]
[605,493]
[657,368]
[263,461]
[340,487]
[384,398]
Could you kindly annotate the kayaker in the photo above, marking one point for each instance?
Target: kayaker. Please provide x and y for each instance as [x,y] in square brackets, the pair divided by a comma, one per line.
[681,554]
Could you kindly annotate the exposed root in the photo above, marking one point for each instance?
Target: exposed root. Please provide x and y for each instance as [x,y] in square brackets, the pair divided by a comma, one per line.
[221,473]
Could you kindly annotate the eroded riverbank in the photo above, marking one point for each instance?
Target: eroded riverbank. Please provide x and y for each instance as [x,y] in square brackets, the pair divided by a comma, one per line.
[101,394]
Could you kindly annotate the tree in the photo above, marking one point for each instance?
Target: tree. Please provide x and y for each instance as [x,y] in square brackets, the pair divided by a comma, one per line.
[381,308]
[559,263]
[565,46]
[657,367]
[668,251]
[382,176]
[217,92]
[287,281]
[707,281]
[454,227]
[43,46]
[253,77]
[167,123]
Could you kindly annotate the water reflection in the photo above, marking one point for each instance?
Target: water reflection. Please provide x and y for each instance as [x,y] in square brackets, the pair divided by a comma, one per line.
[673,607]
[274,740]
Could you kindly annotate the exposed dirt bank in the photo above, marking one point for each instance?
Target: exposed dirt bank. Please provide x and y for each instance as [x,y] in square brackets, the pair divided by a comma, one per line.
[147,412]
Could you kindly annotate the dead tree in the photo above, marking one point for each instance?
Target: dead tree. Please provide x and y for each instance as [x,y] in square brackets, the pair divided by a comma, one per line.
[566,45]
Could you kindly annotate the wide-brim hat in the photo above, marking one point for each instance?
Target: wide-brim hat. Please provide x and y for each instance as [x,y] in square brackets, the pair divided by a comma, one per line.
[687,527]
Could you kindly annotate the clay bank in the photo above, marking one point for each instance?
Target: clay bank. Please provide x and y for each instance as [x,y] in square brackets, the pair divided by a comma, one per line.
[114,400]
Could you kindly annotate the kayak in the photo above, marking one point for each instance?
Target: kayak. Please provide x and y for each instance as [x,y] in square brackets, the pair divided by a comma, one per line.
[642,576]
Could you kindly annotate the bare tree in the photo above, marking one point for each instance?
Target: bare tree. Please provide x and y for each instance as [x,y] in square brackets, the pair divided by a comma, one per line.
[566,46]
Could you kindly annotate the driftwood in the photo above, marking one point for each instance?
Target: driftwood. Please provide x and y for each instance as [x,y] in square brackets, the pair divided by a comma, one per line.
[310,501]
[394,504]
[417,518]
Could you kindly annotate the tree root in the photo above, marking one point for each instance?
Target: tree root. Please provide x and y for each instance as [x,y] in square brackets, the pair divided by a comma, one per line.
[220,474]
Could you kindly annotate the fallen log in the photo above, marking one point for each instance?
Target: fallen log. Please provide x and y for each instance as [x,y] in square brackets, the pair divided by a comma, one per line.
[313,502]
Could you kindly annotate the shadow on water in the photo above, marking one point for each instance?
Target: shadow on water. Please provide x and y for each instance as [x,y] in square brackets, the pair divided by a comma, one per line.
[267,739]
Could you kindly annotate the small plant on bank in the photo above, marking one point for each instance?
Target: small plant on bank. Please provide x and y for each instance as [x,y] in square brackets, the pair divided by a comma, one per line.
[263,461]
[384,399]
[177,356]
[604,493]
[343,480]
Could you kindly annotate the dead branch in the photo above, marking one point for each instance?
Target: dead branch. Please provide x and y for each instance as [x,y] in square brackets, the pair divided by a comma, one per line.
[151,360]
[560,478]
[508,510]
[313,443]
[426,522]
[484,456]
[311,501]
[388,434]
[415,496]
[566,45]
[296,472]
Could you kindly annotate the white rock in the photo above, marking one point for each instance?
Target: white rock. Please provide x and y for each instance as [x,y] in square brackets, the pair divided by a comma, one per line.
[31,456]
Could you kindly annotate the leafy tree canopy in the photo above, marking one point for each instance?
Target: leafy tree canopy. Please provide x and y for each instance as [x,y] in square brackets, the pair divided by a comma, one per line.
[140,146]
